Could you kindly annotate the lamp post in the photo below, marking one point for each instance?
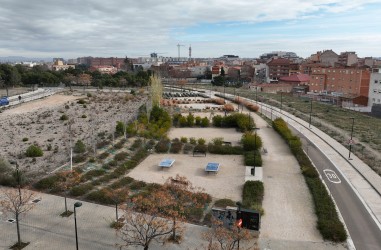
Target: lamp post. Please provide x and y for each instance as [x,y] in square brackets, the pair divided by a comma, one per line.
[77,204]
[255,147]
[309,125]
[239,204]
[351,141]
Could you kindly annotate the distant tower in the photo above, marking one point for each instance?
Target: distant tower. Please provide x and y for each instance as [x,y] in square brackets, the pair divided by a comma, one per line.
[190,52]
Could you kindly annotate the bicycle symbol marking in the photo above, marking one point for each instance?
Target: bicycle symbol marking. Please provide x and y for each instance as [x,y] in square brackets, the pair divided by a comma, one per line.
[331,176]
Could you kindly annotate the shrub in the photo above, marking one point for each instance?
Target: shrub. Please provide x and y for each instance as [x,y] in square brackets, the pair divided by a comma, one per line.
[79,147]
[249,158]
[137,185]
[201,141]
[192,141]
[47,182]
[91,174]
[198,121]
[79,158]
[103,144]
[104,155]
[183,122]
[64,117]
[25,139]
[252,194]
[121,156]
[80,189]
[176,147]
[100,196]
[184,139]
[89,95]
[81,101]
[204,122]
[34,151]
[125,181]
[120,144]
[224,149]
[162,146]
[187,148]
[251,141]
[84,116]
[190,120]
[224,203]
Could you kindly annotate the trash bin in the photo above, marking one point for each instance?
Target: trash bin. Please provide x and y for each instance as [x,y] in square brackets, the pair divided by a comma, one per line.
[252,170]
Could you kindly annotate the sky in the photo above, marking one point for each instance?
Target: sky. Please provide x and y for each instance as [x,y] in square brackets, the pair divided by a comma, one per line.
[134,28]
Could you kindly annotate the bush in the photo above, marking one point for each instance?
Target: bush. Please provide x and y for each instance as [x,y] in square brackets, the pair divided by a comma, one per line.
[80,189]
[104,155]
[47,182]
[251,141]
[192,141]
[137,185]
[84,116]
[224,203]
[81,101]
[198,121]
[204,122]
[162,146]
[100,196]
[187,148]
[201,141]
[64,117]
[184,139]
[252,194]
[79,147]
[190,120]
[176,147]
[103,144]
[91,174]
[25,139]
[225,149]
[249,158]
[121,156]
[34,151]
[125,181]
[79,158]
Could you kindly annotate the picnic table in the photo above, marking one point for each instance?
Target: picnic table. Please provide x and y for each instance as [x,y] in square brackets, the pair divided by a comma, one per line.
[212,167]
[166,163]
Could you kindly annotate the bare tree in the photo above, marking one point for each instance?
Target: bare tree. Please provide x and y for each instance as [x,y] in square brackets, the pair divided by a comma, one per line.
[17,203]
[222,238]
[68,180]
[146,225]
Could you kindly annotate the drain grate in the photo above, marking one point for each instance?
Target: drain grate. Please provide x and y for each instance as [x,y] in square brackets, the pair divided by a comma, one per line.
[11,220]
[36,200]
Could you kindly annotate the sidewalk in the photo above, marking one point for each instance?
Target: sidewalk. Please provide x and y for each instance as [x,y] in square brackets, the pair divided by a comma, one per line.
[364,181]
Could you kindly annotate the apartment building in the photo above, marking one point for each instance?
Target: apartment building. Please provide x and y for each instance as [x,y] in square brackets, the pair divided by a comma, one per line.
[328,57]
[348,58]
[278,67]
[375,87]
[348,81]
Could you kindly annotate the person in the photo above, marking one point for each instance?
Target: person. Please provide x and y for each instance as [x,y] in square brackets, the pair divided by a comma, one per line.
[19,98]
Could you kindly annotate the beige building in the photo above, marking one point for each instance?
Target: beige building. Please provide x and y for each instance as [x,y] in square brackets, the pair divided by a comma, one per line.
[328,58]
[348,58]
[59,65]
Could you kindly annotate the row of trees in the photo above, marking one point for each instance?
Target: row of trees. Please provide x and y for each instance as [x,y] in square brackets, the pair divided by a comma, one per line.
[11,76]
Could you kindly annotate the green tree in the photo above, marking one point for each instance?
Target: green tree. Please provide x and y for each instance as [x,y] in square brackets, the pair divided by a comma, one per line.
[251,141]
[34,151]
[190,120]
[79,147]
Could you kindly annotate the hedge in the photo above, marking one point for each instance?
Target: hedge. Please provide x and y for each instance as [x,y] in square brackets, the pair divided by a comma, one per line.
[328,224]
[252,194]
[249,158]
[81,189]
[224,149]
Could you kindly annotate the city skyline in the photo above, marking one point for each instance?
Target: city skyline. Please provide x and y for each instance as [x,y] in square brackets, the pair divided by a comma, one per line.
[73,29]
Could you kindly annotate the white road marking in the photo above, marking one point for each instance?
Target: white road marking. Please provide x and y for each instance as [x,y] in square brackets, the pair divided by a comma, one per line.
[332,176]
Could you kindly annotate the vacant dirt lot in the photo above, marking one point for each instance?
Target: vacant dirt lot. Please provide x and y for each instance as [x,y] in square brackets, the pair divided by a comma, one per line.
[39,122]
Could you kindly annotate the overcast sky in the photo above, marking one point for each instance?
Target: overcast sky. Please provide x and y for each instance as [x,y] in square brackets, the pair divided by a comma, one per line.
[247,28]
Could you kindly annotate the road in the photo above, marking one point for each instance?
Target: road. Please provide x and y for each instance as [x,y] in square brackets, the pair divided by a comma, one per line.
[363,230]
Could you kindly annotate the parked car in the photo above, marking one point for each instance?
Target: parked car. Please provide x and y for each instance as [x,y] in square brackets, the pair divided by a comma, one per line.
[4,101]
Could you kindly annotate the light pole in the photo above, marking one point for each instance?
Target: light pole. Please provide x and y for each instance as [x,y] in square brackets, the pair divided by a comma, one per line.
[77,204]
[239,222]
[309,125]
[351,141]
[255,147]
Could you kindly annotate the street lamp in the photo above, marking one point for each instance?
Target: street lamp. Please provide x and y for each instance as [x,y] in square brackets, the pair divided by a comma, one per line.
[77,204]
[351,141]
[239,204]
[255,146]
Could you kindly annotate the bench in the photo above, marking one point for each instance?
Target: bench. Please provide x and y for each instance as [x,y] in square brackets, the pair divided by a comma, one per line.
[199,152]
[227,143]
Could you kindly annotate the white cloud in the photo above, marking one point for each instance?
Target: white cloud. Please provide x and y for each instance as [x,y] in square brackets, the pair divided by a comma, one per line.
[118,28]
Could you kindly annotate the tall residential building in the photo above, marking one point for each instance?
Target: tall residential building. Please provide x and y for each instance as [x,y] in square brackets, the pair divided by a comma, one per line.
[348,58]
[348,81]
[375,87]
